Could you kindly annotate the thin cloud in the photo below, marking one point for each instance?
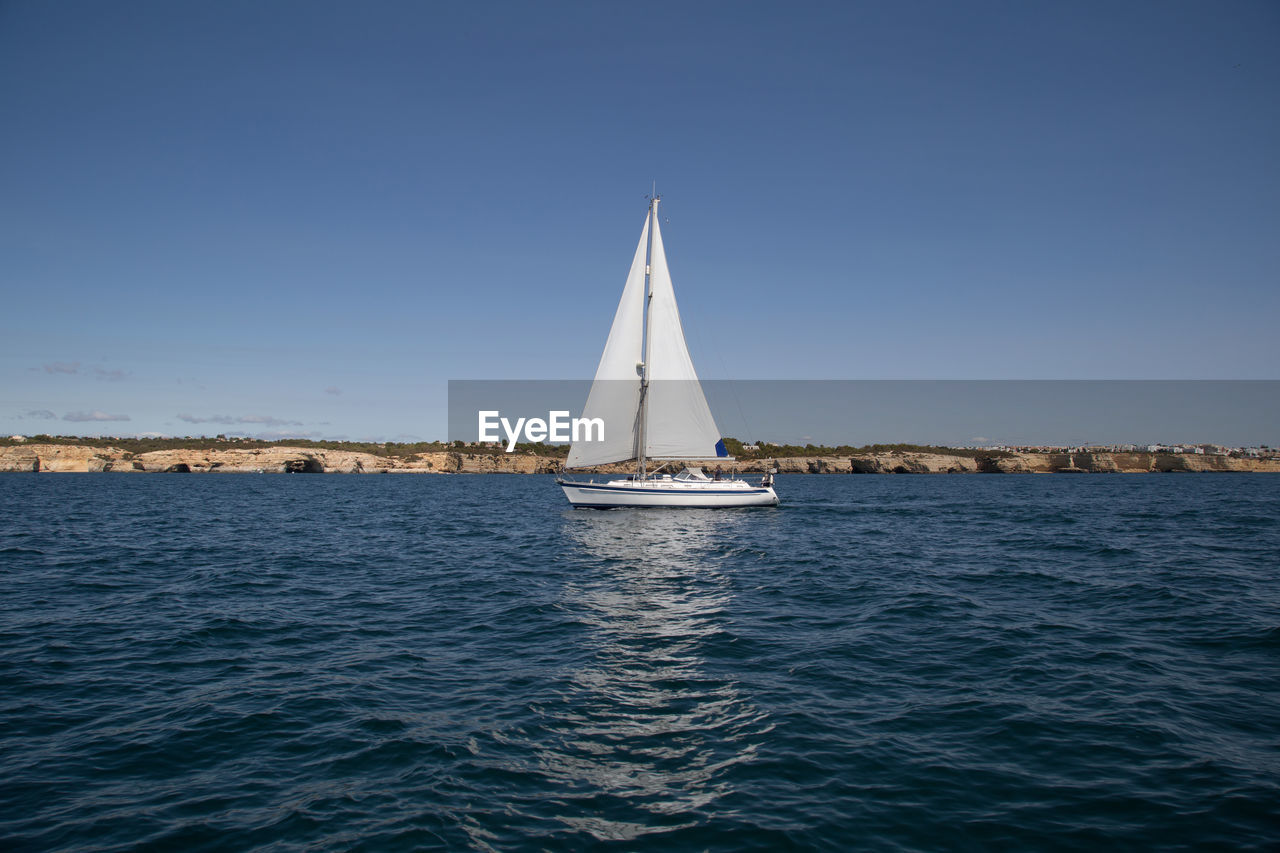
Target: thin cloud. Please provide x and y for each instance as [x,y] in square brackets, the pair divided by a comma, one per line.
[276,436]
[39,415]
[228,420]
[267,420]
[95,415]
[73,368]
[333,389]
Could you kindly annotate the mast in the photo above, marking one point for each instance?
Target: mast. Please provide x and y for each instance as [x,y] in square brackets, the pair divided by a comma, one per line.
[642,416]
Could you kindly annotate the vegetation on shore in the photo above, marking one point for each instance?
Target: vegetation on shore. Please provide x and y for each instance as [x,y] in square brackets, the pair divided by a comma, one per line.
[735,447]
[147,445]
[782,451]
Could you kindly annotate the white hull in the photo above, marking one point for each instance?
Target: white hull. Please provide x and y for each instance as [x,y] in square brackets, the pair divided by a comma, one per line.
[668,493]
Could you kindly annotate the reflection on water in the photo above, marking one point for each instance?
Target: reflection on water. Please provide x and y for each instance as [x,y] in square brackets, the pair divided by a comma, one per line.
[646,732]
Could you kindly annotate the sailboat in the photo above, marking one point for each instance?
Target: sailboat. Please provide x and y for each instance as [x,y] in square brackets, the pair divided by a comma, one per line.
[647,396]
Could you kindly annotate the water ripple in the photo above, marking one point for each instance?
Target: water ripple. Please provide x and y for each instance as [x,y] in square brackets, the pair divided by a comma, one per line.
[460,662]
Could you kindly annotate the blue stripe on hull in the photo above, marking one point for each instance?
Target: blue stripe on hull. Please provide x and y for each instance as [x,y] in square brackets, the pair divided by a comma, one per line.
[664,506]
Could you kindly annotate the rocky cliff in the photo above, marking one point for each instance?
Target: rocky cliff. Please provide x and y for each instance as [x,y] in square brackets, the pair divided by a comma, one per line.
[272,460]
[75,458]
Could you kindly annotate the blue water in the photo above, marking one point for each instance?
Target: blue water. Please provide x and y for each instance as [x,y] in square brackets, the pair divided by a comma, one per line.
[231,662]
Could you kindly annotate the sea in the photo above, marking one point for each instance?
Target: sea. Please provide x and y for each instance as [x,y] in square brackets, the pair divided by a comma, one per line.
[453,662]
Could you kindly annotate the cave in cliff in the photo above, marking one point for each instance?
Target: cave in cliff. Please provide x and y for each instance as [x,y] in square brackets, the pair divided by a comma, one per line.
[303,466]
[988,464]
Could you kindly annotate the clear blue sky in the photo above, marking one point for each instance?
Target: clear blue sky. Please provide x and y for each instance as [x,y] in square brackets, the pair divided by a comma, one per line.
[304,218]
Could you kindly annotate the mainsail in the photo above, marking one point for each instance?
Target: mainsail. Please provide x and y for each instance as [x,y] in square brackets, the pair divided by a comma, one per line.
[615,393]
[672,413]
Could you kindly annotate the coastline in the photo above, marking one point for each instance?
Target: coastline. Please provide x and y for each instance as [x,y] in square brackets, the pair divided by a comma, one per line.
[64,458]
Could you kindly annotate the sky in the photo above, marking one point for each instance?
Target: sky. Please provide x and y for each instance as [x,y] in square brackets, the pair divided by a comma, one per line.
[305,218]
